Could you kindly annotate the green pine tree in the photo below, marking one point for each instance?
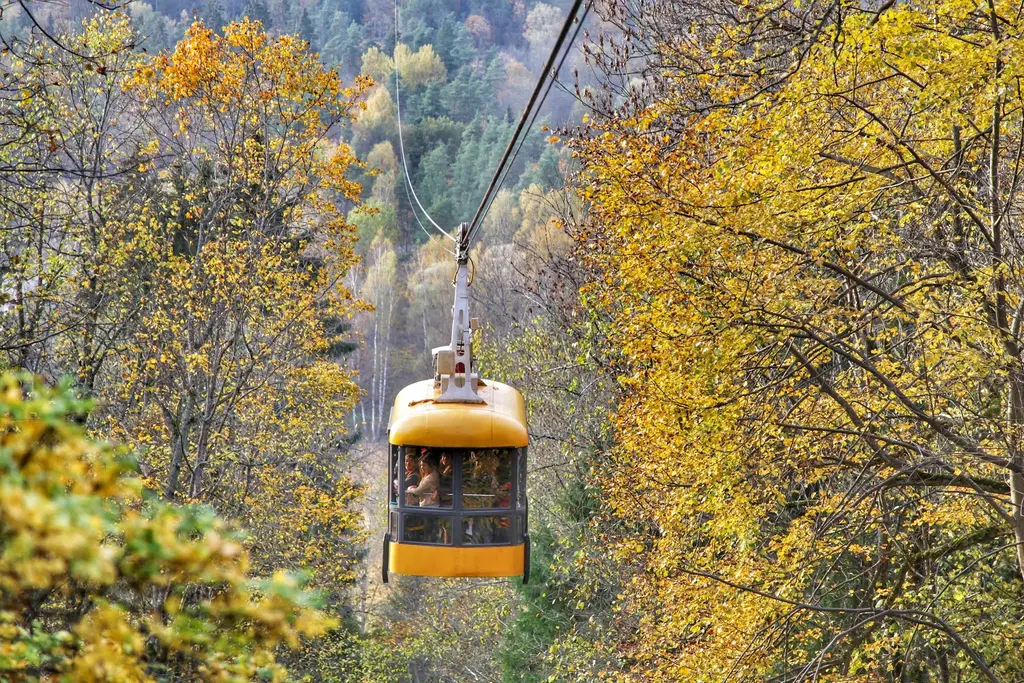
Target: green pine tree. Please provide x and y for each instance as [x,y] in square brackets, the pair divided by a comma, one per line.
[213,15]
[306,29]
[257,11]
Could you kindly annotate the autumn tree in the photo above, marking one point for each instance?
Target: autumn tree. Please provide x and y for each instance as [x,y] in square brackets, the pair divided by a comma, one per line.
[516,89]
[100,579]
[175,240]
[241,223]
[802,224]
[377,119]
[384,162]
[60,303]
[185,264]
[542,25]
[381,290]
[503,219]
[377,65]
[419,68]
[480,29]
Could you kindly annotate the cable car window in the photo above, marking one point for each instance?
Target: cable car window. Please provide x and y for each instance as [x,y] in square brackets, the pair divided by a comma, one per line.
[446,471]
[486,530]
[487,478]
[521,469]
[429,489]
[410,467]
[396,482]
[393,525]
[427,529]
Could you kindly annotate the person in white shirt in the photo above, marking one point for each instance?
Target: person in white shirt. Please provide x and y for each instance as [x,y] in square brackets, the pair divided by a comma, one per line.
[425,494]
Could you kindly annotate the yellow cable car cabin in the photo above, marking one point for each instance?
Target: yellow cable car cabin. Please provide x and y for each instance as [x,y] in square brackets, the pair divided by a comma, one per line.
[457,465]
[458,484]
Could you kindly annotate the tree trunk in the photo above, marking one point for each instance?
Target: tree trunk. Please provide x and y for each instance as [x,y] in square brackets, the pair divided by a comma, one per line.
[383,384]
[426,337]
[202,448]
[179,427]
[373,377]
[1016,421]
[202,459]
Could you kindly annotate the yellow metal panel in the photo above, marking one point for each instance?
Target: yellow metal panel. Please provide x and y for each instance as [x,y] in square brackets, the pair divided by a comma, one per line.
[434,560]
[498,422]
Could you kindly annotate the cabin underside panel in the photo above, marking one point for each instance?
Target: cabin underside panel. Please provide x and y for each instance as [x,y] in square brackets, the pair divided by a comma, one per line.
[427,560]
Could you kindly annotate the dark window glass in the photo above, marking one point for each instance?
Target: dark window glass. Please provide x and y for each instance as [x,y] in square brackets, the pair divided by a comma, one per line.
[428,484]
[486,530]
[410,466]
[428,529]
[522,479]
[446,471]
[487,478]
[393,469]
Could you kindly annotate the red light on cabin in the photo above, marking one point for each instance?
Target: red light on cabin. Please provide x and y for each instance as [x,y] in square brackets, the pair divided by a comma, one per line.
[460,368]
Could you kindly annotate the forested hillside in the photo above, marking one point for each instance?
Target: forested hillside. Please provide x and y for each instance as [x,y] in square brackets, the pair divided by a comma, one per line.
[755,269]
[208,235]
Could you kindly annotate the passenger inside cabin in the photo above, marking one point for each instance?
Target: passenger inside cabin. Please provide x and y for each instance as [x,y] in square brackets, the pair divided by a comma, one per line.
[447,478]
[446,465]
[411,476]
[425,494]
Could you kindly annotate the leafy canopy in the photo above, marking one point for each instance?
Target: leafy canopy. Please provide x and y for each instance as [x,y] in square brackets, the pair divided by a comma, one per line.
[99,580]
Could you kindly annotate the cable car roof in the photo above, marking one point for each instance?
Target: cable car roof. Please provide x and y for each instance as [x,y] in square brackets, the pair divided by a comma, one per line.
[498,422]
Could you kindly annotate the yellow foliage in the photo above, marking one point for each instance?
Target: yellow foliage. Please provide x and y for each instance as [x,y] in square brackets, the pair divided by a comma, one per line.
[377,65]
[227,373]
[809,289]
[84,554]
[379,116]
[419,68]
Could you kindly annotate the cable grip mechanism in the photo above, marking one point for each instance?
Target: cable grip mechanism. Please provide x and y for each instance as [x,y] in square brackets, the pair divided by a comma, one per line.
[454,370]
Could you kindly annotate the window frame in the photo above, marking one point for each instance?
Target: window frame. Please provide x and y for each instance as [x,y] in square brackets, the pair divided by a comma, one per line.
[395,474]
[457,513]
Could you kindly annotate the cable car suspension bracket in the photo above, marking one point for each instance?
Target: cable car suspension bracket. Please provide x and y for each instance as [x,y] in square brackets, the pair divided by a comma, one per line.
[454,371]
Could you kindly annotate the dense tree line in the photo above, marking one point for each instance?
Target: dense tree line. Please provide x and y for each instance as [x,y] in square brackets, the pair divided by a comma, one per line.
[232,274]
[174,244]
[802,229]
[765,305]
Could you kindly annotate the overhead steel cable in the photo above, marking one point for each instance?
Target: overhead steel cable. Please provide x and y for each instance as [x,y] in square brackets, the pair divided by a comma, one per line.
[498,172]
[536,113]
[401,144]
[429,234]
